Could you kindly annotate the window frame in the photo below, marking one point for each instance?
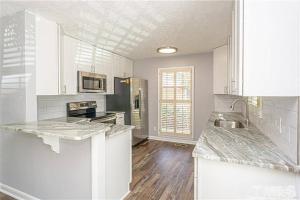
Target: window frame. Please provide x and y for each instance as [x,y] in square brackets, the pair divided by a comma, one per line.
[175,135]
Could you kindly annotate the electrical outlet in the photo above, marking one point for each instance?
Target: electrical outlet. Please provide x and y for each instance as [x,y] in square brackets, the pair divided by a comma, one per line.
[280,125]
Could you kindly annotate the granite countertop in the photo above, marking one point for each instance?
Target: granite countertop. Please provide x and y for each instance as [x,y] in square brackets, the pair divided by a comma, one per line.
[66,128]
[118,129]
[247,146]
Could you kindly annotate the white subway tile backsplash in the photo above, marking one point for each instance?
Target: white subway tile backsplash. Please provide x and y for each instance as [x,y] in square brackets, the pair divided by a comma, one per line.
[55,105]
[277,119]
[279,122]
[223,102]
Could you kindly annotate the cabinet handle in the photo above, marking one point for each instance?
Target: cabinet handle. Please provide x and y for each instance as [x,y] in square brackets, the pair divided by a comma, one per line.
[225,90]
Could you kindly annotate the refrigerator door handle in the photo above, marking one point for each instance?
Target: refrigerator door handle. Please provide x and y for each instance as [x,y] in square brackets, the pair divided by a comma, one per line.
[140,103]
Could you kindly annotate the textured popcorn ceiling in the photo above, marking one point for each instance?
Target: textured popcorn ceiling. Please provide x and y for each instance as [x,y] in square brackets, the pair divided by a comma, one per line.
[135,29]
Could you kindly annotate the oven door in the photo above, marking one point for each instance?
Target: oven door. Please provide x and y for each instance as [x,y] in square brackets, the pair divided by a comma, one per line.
[91,82]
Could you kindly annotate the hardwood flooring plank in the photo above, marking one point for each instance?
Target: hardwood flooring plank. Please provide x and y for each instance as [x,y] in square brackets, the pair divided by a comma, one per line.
[162,171]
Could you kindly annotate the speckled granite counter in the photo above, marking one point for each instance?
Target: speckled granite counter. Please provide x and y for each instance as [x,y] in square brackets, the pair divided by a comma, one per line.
[70,128]
[246,146]
[64,128]
[118,129]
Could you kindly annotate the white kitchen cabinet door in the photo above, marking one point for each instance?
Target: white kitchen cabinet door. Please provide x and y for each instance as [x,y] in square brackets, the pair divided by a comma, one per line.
[128,68]
[117,66]
[68,71]
[104,65]
[85,57]
[47,57]
[118,165]
[123,67]
[271,63]
[220,70]
[236,72]
[233,68]
[266,48]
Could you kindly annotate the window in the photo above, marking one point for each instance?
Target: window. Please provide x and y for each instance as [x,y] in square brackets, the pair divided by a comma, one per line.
[175,101]
[254,101]
[256,105]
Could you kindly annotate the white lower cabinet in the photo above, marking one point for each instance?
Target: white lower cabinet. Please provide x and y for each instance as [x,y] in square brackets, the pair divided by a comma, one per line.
[118,165]
[222,180]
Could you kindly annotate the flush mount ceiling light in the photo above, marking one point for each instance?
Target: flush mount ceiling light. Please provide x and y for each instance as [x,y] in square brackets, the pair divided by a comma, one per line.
[167,50]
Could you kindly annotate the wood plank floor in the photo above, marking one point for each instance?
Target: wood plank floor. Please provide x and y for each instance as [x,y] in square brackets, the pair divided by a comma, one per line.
[162,171]
[5,197]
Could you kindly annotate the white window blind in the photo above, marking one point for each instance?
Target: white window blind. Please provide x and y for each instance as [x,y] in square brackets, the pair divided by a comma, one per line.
[175,101]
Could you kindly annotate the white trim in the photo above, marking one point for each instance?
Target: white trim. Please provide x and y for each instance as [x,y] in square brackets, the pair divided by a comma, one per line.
[171,139]
[17,194]
[125,195]
[53,141]
[98,167]
[191,136]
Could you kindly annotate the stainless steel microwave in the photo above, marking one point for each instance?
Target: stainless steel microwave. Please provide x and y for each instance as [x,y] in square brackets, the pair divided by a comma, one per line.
[91,82]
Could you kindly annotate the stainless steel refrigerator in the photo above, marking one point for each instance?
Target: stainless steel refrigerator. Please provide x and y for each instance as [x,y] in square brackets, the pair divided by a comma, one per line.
[131,96]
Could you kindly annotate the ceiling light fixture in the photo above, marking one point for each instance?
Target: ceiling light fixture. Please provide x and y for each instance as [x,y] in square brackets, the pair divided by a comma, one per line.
[167,50]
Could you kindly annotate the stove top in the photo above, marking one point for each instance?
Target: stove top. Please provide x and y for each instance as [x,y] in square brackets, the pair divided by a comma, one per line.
[86,109]
[96,115]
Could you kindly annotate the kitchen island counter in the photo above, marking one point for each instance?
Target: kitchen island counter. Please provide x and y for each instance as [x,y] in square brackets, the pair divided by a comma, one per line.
[84,159]
[68,128]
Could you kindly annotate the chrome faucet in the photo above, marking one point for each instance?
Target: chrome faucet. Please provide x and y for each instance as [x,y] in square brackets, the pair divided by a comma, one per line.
[246,106]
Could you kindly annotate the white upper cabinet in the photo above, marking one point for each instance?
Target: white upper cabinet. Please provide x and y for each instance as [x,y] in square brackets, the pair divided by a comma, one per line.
[123,67]
[266,47]
[47,57]
[220,70]
[128,69]
[85,57]
[81,56]
[104,65]
[68,67]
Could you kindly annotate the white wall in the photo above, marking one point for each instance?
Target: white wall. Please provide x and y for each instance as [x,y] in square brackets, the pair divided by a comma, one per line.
[204,100]
[274,110]
[53,106]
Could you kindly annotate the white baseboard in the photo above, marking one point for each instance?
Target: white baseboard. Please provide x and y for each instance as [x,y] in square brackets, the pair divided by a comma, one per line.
[175,140]
[125,195]
[17,194]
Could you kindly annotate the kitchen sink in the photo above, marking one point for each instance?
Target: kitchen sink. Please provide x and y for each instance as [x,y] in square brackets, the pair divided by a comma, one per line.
[228,123]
